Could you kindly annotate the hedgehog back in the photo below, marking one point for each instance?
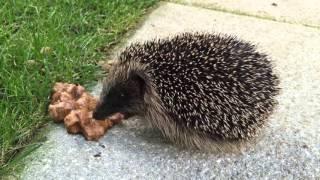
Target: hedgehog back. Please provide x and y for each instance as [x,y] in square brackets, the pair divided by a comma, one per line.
[213,84]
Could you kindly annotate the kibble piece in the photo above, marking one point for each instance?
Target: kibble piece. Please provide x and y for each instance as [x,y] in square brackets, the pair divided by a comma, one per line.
[64,96]
[106,123]
[72,122]
[93,131]
[55,97]
[73,106]
[60,110]
[87,101]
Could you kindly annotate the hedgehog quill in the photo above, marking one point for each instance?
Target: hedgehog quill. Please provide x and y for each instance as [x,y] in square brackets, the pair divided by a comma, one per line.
[199,89]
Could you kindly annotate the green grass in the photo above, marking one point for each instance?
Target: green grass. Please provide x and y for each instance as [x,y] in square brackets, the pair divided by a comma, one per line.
[42,42]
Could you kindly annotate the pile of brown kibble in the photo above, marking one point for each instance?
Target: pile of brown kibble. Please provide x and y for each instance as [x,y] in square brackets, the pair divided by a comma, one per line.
[72,105]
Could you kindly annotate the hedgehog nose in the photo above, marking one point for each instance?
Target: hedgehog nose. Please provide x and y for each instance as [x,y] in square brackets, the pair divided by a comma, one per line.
[97,116]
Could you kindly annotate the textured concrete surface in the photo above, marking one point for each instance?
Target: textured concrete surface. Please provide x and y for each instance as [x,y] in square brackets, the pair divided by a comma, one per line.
[295,11]
[289,148]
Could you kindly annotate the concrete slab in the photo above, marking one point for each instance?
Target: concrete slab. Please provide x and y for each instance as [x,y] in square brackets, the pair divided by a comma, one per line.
[295,11]
[290,147]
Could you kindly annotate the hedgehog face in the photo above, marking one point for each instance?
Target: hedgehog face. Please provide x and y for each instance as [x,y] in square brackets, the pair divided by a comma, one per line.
[124,97]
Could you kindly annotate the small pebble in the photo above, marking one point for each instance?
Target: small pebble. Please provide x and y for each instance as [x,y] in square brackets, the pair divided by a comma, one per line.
[102,145]
[97,155]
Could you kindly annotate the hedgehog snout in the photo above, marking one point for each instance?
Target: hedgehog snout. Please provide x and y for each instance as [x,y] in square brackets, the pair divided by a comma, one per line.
[106,110]
[100,113]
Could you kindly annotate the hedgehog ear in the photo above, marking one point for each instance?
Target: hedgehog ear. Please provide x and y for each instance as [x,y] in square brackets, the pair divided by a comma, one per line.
[138,80]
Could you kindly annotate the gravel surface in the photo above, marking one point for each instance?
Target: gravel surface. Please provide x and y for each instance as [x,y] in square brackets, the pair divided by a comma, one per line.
[289,148]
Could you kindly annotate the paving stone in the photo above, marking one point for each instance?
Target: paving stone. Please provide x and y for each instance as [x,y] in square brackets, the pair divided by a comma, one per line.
[294,11]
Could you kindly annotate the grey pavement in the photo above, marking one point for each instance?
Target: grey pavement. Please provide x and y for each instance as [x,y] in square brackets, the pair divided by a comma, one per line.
[305,12]
[289,147]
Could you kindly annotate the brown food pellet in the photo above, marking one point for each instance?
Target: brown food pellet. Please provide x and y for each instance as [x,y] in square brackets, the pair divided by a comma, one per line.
[64,96]
[72,123]
[60,110]
[93,131]
[105,123]
[87,101]
[55,97]
[72,105]
[74,129]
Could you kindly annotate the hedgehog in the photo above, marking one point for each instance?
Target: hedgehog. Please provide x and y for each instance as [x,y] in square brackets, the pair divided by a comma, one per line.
[200,90]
